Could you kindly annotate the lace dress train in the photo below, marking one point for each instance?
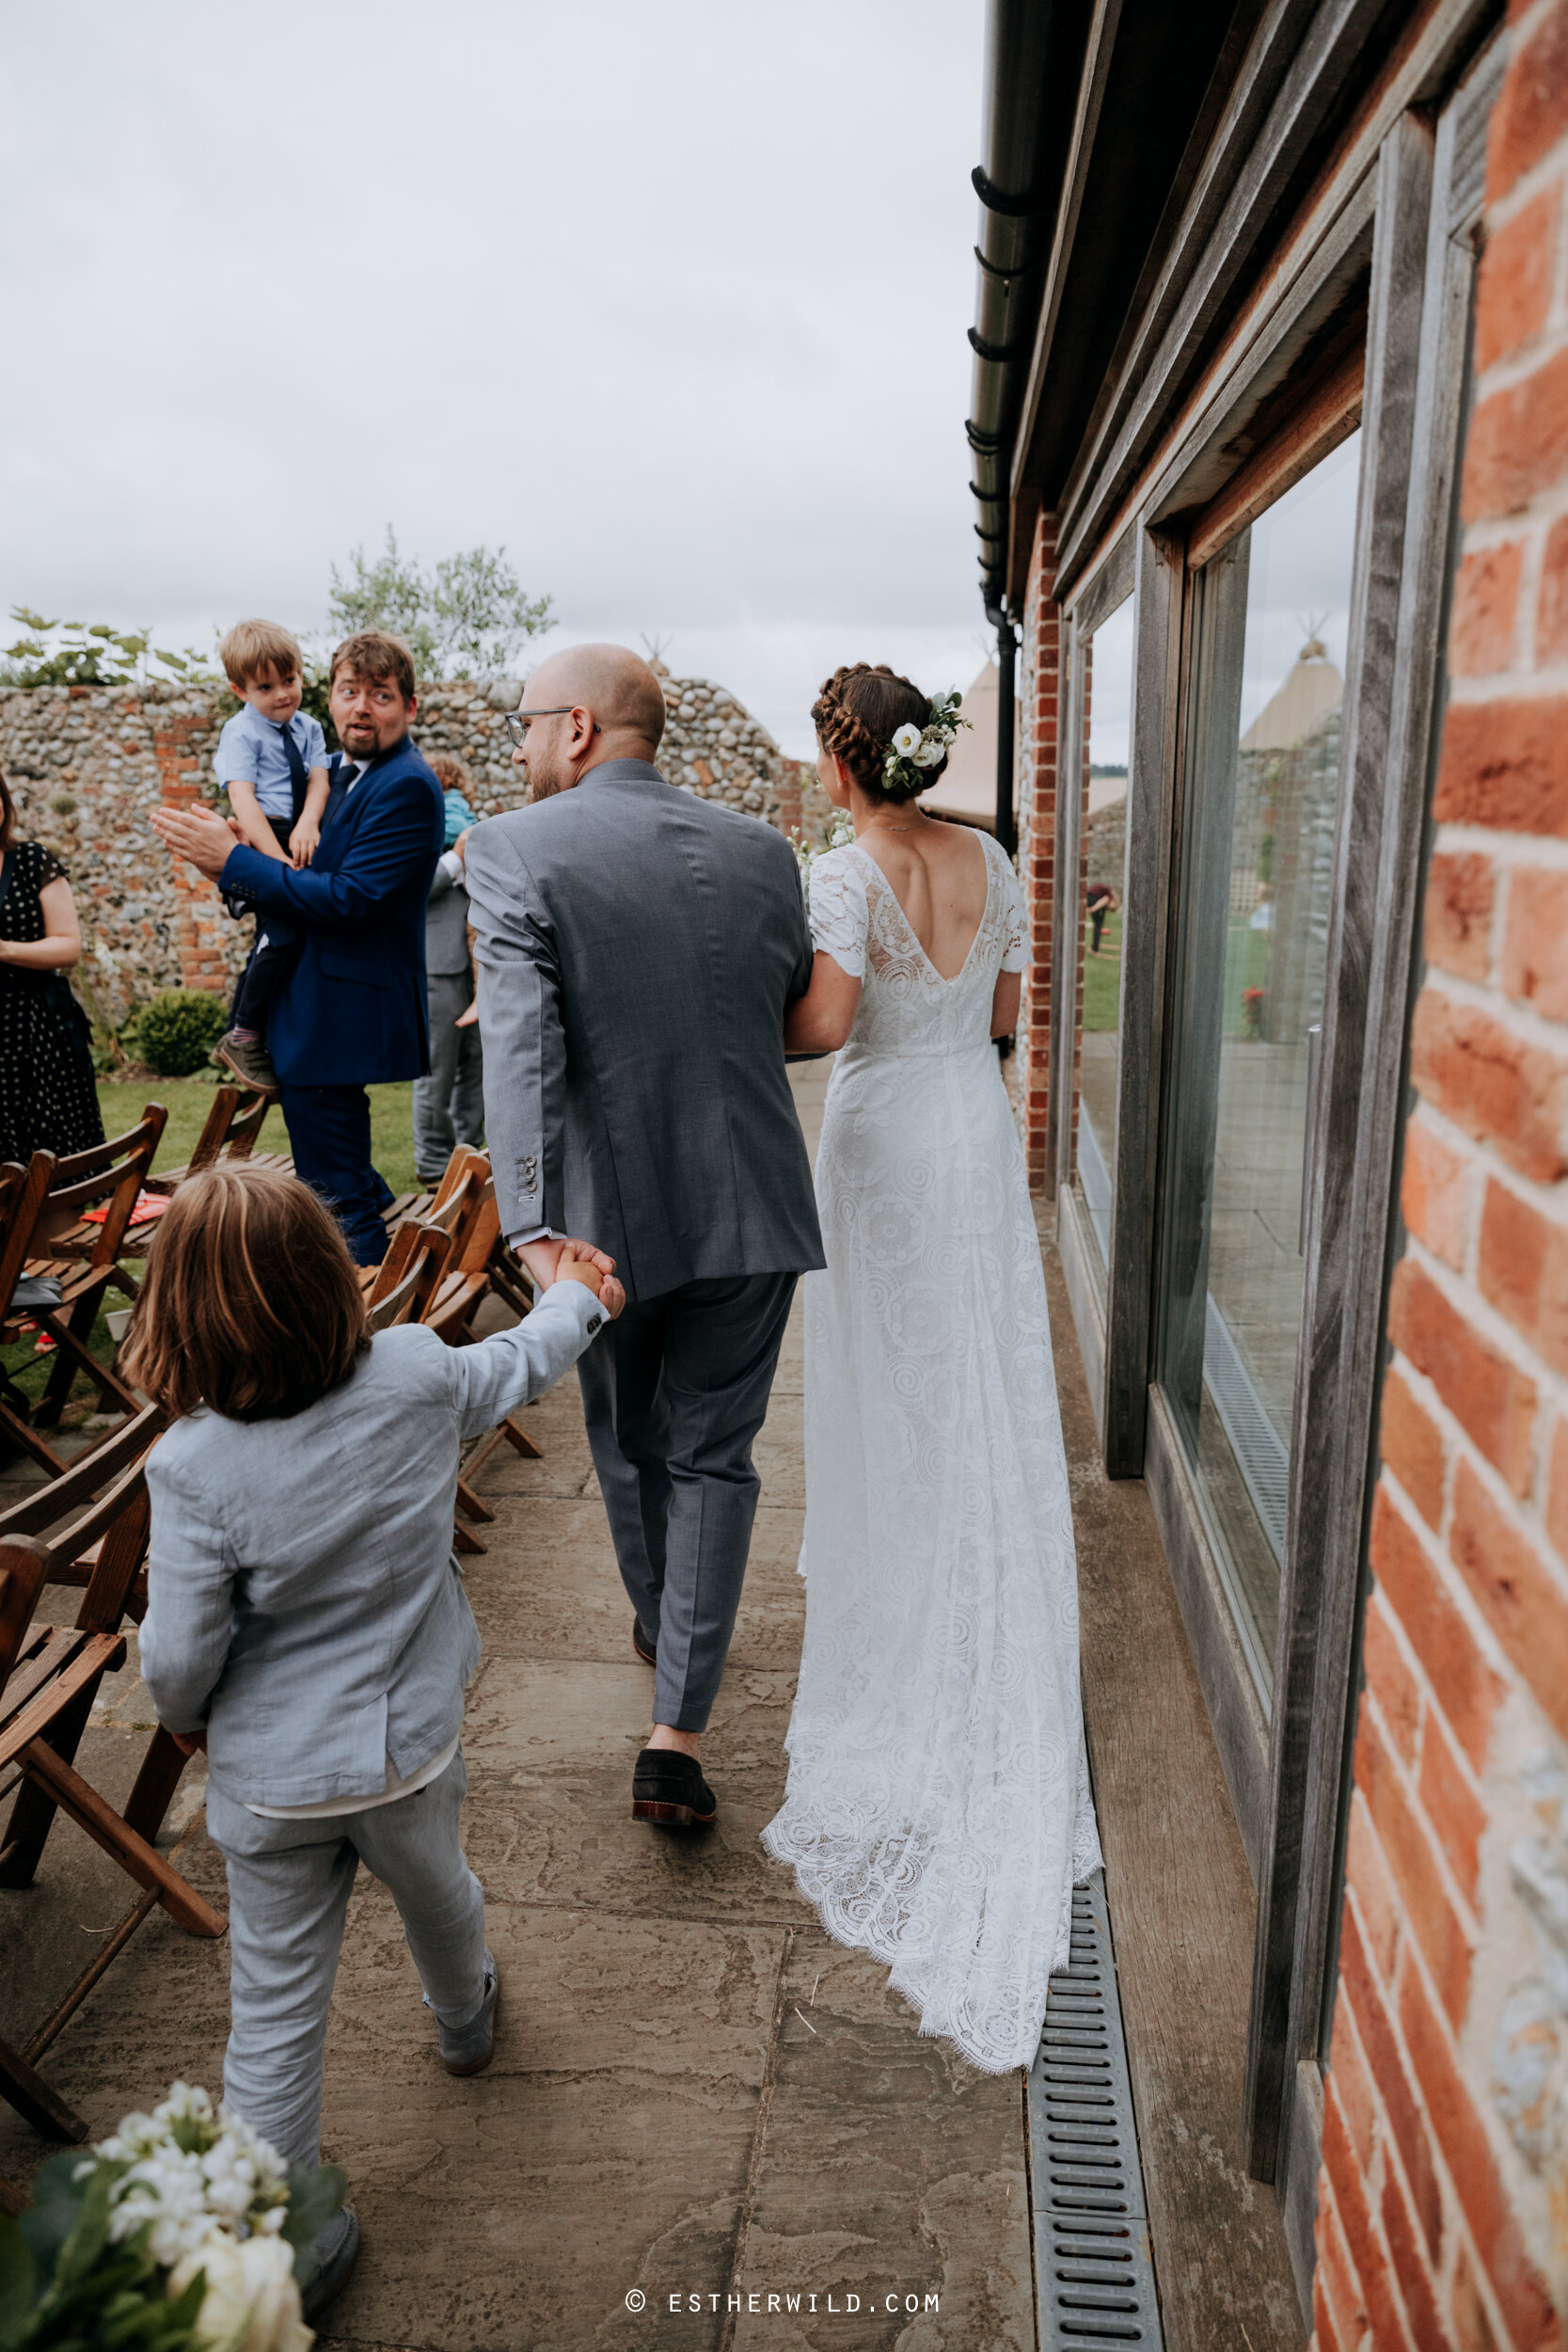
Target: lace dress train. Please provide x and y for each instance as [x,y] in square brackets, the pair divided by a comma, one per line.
[937,1809]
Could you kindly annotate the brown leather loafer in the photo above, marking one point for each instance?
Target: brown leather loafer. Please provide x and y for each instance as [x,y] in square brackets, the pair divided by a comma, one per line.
[646,1650]
[668,1786]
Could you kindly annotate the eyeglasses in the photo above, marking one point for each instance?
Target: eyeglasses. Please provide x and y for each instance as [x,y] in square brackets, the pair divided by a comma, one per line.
[517,721]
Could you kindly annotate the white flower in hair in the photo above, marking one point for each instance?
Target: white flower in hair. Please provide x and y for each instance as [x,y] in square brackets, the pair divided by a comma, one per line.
[906,740]
[929,754]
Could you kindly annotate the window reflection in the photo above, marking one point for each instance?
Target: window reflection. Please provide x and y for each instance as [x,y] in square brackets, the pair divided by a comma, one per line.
[1109,694]
[1262,793]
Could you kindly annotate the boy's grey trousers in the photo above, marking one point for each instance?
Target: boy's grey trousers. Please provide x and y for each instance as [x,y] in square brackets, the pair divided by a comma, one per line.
[289,1885]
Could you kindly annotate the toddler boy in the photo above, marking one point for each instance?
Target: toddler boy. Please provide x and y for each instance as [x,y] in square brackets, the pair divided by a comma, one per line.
[272,759]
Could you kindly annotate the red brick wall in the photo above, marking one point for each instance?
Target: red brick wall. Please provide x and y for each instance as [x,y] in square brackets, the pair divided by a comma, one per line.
[1443,2201]
[1039,678]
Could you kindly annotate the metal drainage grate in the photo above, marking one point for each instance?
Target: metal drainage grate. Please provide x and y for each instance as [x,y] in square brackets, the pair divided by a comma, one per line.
[1092,2254]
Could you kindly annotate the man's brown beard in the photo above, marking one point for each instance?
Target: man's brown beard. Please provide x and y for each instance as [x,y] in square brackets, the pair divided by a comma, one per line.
[543,786]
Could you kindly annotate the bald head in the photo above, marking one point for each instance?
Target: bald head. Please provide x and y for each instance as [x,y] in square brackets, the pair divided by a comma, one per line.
[615,685]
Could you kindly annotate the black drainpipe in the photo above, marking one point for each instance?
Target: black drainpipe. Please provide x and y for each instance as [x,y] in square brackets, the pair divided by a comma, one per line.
[1032,48]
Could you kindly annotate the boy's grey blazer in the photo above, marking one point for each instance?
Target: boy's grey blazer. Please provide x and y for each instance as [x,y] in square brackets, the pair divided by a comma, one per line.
[636,949]
[304,1602]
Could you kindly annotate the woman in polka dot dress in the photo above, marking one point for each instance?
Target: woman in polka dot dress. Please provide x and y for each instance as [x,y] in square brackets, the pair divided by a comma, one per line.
[47,1099]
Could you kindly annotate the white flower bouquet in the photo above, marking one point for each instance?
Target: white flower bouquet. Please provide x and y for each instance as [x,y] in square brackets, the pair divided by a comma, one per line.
[182,2232]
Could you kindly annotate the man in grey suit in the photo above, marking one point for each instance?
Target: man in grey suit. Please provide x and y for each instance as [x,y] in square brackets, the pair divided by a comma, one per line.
[636,949]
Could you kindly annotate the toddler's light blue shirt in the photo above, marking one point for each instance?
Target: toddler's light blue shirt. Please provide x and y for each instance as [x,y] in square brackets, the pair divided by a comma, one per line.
[250,751]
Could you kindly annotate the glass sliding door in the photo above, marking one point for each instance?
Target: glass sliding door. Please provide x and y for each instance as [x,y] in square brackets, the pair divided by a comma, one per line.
[1109,694]
[1263,779]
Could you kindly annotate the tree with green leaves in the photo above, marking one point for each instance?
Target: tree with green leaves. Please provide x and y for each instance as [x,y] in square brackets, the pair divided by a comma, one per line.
[90,653]
[467,618]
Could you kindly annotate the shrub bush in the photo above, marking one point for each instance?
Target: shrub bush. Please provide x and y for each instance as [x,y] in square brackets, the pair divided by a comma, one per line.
[178,1029]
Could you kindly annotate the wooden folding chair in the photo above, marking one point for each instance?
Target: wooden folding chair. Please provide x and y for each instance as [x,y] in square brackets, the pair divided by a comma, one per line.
[49,1678]
[406,1279]
[22,1192]
[229,1134]
[80,1239]
[41,1508]
[112,1174]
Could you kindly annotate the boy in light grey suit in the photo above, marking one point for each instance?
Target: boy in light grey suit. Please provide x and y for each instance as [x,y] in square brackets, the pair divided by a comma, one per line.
[636,949]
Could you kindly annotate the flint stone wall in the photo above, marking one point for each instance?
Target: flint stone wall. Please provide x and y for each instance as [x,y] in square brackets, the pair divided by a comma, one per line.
[87,764]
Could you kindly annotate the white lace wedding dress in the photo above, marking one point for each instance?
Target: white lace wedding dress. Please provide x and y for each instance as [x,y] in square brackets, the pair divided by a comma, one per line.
[938,1811]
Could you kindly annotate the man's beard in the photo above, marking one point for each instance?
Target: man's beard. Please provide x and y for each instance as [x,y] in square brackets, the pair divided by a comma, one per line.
[545,780]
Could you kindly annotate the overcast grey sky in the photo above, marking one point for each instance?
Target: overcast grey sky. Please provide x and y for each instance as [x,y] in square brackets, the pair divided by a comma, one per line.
[672,301]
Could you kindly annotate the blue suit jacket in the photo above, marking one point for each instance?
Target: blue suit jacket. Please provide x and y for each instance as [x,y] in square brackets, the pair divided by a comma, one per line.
[351,1010]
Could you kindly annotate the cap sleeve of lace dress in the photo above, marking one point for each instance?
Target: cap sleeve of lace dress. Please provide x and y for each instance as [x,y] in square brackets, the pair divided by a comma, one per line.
[1015,915]
[839,917]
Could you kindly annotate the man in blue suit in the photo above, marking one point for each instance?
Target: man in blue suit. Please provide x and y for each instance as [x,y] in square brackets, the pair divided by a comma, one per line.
[351,1012]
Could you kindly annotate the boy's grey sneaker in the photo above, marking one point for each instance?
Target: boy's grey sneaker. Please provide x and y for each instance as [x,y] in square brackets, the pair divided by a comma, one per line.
[249,1061]
[468,2049]
[336,2250]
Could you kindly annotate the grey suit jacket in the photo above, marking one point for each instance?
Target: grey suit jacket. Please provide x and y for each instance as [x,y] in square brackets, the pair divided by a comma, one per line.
[446,925]
[636,947]
[303,1599]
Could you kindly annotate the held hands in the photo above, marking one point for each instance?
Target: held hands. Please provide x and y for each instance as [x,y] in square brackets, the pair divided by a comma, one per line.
[550,1261]
[190,1742]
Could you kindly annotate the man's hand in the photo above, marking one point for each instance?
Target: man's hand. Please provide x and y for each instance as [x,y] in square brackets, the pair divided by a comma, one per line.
[457,844]
[469,1019]
[588,1268]
[190,1742]
[304,841]
[198,835]
[543,1260]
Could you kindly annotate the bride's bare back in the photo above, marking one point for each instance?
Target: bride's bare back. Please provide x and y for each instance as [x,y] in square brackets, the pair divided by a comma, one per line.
[938,877]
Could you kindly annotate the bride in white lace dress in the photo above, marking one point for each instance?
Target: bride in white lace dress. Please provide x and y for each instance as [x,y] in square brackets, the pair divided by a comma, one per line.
[938,1811]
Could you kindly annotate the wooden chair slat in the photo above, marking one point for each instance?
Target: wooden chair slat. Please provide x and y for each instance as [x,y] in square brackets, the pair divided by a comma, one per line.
[88,1476]
[228,1133]
[100,1654]
[110,1830]
[57,1645]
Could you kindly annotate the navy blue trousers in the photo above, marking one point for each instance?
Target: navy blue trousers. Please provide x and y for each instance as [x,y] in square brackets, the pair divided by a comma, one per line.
[330,1135]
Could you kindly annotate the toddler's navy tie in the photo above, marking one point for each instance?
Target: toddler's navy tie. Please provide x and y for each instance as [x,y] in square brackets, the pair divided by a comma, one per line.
[299,775]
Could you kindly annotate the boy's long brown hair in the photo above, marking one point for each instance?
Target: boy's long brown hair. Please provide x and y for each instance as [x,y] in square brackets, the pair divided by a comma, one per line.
[252,1303]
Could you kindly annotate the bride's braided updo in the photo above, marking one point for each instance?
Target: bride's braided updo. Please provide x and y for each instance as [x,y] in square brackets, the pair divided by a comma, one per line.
[857,714]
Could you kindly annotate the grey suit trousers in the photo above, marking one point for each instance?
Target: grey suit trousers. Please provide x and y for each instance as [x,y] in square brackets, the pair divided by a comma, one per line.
[673,1393]
[289,1885]
[449,1104]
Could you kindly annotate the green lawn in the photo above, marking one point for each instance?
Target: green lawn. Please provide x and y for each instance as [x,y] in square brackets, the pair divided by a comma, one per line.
[1102,976]
[188,1102]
